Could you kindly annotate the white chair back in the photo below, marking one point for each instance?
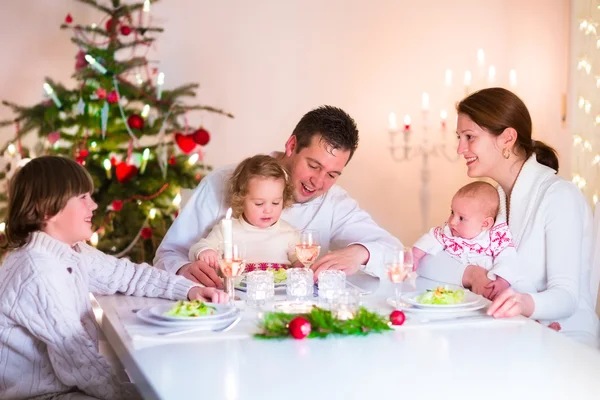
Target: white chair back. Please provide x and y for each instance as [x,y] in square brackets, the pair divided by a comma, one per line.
[595,273]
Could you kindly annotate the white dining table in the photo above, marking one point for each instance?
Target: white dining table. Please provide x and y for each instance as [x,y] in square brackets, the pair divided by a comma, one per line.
[423,359]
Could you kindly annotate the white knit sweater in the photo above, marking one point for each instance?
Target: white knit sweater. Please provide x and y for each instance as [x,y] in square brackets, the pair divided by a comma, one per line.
[48,333]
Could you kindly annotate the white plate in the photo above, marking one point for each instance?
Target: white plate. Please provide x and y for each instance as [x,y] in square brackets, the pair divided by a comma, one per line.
[469,300]
[410,308]
[222,310]
[144,315]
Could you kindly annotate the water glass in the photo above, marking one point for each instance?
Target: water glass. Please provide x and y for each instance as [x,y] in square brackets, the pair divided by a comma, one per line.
[330,282]
[345,304]
[299,284]
[260,288]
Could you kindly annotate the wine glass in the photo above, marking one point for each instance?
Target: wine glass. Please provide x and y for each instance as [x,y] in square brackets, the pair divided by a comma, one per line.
[307,246]
[398,265]
[231,266]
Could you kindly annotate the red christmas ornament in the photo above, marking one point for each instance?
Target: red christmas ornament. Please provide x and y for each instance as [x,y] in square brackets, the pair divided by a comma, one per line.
[53,137]
[202,137]
[135,121]
[125,171]
[101,93]
[80,62]
[397,317]
[147,233]
[117,205]
[299,327]
[112,97]
[185,142]
[172,160]
[109,24]
[68,19]
[84,153]
[125,30]
[80,160]
[113,161]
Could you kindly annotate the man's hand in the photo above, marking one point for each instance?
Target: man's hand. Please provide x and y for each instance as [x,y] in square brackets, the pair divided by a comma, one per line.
[510,303]
[497,286]
[348,260]
[475,278]
[201,272]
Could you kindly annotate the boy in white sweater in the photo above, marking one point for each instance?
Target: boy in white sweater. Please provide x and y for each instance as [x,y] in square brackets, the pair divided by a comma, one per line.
[48,333]
[258,191]
[475,235]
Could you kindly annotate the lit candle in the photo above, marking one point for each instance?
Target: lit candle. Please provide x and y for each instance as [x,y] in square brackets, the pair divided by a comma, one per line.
[146,111]
[491,74]
[425,101]
[108,167]
[177,200]
[443,117]
[50,92]
[12,150]
[393,122]
[448,80]
[193,159]
[145,157]
[226,223]
[95,64]
[152,213]
[94,239]
[2,227]
[160,80]
[512,77]
[407,123]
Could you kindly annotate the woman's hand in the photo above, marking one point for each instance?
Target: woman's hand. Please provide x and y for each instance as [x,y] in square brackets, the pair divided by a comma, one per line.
[208,294]
[475,278]
[510,303]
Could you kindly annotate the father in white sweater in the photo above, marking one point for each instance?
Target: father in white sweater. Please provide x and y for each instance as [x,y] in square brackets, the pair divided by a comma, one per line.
[316,153]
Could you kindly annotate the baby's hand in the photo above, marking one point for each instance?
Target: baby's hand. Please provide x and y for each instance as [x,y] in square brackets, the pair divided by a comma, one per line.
[418,254]
[208,294]
[497,286]
[210,257]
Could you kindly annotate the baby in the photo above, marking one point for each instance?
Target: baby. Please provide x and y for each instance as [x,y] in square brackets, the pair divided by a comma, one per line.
[473,235]
[259,190]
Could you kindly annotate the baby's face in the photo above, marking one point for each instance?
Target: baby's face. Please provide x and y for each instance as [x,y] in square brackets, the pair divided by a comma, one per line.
[264,202]
[467,217]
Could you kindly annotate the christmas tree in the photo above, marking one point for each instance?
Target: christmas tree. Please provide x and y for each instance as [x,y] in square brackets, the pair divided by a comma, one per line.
[129,131]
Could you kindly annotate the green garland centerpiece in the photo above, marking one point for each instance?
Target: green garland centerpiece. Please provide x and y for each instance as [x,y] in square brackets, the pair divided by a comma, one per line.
[320,323]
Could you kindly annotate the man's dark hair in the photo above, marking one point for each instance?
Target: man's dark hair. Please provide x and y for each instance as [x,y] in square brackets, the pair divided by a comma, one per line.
[333,124]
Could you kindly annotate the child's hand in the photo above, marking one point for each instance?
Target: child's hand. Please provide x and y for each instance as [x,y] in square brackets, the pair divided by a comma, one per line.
[210,257]
[496,287]
[418,254]
[208,294]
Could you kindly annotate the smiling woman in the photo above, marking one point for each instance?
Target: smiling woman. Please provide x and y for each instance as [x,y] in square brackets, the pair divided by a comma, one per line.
[548,216]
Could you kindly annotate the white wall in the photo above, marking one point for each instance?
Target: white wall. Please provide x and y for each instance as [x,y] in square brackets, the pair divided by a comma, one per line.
[270,61]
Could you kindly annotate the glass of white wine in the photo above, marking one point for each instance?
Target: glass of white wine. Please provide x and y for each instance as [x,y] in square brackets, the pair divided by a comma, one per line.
[232,264]
[398,265]
[307,246]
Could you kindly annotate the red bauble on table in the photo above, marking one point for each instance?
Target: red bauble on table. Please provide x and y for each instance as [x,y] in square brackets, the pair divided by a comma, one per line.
[135,121]
[125,171]
[146,233]
[125,30]
[112,97]
[185,142]
[202,137]
[299,328]
[397,317]
[117,205]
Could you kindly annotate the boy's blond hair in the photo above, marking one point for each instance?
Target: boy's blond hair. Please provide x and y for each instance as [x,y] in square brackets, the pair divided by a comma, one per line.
[260,166]
[40,190]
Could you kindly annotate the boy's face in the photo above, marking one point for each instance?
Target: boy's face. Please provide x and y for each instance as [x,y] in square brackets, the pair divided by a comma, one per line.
[73,223]
[315,168]
[467,217]
[264,202]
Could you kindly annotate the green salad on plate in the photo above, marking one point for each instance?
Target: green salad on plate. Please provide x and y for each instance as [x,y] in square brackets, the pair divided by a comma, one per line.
[441,296]
[194,308]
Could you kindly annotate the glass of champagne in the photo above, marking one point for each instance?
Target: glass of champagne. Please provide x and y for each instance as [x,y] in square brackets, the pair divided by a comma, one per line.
[398,265]
[231,266]
[307,246]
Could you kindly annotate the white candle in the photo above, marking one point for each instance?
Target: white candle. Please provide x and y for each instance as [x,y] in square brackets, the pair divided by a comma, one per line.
[425,101]
[393,122]
[512,77]
[50,92]
[95,64]
[227,236]
[160,80]
[491,74]
[448,80]
[407,122]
